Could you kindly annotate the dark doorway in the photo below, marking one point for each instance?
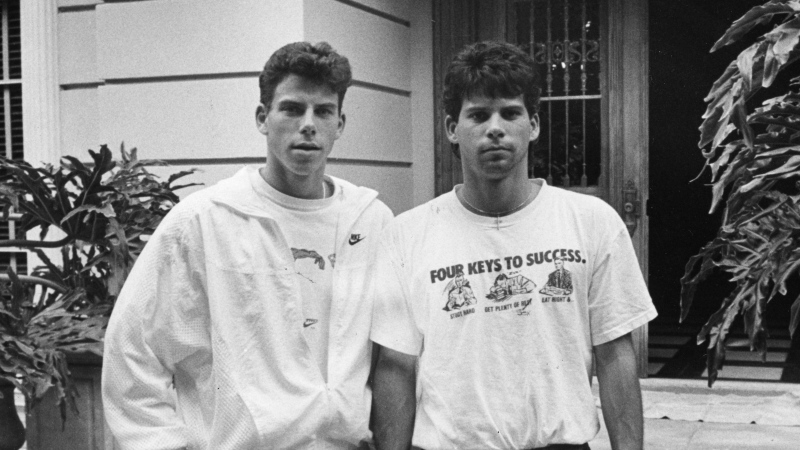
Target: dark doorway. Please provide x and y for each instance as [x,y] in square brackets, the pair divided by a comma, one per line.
[681,73]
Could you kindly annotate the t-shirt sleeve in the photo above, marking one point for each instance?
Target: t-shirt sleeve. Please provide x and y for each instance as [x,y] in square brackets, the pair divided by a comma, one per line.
[618,298]
[393,319]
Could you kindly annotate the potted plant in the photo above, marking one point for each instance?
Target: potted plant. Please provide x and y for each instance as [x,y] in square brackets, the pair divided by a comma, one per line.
[103,212]
[754,174]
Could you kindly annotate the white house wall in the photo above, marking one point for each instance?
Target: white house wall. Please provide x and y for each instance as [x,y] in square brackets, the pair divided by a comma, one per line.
[178,79]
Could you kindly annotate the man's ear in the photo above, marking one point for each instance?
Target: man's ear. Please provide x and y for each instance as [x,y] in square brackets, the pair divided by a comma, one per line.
[340,129]
[450,129]
[534,127]
[261,118]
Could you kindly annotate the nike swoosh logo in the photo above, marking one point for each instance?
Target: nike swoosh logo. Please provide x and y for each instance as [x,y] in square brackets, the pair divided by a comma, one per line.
[355,239]
[309,322]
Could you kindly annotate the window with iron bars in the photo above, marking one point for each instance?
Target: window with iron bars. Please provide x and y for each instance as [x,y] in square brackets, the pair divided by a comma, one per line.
[563,37]
[11,118]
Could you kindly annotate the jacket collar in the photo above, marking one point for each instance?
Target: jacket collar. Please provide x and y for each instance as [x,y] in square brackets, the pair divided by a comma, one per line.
[237,192]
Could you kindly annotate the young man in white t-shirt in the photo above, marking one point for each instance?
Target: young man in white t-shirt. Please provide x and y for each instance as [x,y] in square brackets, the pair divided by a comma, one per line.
[509,365]
[244,323]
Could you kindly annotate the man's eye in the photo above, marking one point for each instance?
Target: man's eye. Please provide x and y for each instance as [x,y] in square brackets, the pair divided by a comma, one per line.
[511,114]
[324,112]
[479,116]
[293,110]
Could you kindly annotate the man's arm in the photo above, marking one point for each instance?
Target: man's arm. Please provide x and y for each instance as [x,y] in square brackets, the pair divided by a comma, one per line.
[620,394]
[143,344]
[394,400]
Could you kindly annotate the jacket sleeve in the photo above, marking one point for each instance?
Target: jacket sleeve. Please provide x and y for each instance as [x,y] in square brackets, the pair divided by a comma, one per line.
[146,339]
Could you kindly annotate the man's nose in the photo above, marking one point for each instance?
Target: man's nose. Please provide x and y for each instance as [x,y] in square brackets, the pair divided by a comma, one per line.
[495,128]
[308,126]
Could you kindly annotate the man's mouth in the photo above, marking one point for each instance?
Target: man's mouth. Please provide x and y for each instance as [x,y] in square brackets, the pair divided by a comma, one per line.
[306,146]
[495,148]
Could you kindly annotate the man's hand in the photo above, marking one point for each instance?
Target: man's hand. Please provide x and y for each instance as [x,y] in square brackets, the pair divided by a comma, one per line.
[394,400]
[620,394]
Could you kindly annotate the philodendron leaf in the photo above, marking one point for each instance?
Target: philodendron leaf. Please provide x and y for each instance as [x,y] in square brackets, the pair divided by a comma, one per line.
[745,63]
[106,210]
[733,172]
[787,123]
[791,165]
[794,316]
[715,362]
[690,279]
[73,163]
[740,119]
[785,38]
[792,150]
[786,271]
[756,16]
[723,159]
[180,174]
[720,99]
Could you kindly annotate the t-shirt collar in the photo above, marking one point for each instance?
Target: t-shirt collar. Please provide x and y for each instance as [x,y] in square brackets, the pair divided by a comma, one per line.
[266,191]
[491,221]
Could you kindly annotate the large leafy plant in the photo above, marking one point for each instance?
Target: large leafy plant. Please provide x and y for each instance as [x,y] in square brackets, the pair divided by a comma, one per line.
[753,152]
[103,213]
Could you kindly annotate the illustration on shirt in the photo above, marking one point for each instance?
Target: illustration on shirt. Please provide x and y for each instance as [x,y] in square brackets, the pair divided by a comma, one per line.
[459,293]
[504,287]
[300,253]
[559,282]
[310,266]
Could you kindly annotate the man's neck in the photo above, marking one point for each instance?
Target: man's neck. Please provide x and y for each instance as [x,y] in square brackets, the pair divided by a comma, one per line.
[498,196]
[309,187]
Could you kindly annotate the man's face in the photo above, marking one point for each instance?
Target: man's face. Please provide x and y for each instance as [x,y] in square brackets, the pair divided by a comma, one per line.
[301,125]
[493,136]
[559,264]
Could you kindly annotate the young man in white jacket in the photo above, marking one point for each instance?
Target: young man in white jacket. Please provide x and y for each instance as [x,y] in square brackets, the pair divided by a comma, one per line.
[244,322]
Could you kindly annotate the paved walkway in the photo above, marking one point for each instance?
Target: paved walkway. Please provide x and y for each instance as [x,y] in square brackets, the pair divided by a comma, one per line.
[687,415]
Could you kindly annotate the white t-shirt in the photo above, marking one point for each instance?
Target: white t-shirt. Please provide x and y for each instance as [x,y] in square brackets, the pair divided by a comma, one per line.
[310,229]
[504,315]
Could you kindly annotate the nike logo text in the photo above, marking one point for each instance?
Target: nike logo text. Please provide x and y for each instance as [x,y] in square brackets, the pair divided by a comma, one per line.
[355,239]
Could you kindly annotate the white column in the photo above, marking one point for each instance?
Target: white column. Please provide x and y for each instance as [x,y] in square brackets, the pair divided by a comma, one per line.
[40,89]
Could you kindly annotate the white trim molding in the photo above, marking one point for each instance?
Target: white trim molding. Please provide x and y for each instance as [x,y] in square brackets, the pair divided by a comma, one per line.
[40,89]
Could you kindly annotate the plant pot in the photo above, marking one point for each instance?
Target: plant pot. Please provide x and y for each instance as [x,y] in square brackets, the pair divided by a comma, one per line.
[12,433]
[86,430]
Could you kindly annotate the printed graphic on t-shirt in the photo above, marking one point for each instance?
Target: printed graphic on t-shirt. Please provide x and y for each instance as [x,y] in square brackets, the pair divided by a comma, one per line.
[310,271]
[504,287]
[511,287]
[300,253]
[459,293]
[559,284]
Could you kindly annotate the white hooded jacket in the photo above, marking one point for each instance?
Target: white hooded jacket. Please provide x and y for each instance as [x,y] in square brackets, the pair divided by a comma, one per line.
[211,305]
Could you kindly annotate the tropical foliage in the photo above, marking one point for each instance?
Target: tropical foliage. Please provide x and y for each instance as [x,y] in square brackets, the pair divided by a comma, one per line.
[753,153]
[103,212]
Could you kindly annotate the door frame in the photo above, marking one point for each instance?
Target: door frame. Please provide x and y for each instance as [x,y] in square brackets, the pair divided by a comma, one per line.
[625,120]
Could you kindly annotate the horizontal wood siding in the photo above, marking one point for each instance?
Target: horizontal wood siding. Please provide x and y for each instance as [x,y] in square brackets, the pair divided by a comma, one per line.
[378,126]
[399,9]
[77,47]
[186,37]
[80,122]
[377,48]
[74,3]
[186,119]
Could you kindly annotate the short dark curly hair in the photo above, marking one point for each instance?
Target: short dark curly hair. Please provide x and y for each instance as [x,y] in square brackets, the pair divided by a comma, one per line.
[494,69]
[318,62]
